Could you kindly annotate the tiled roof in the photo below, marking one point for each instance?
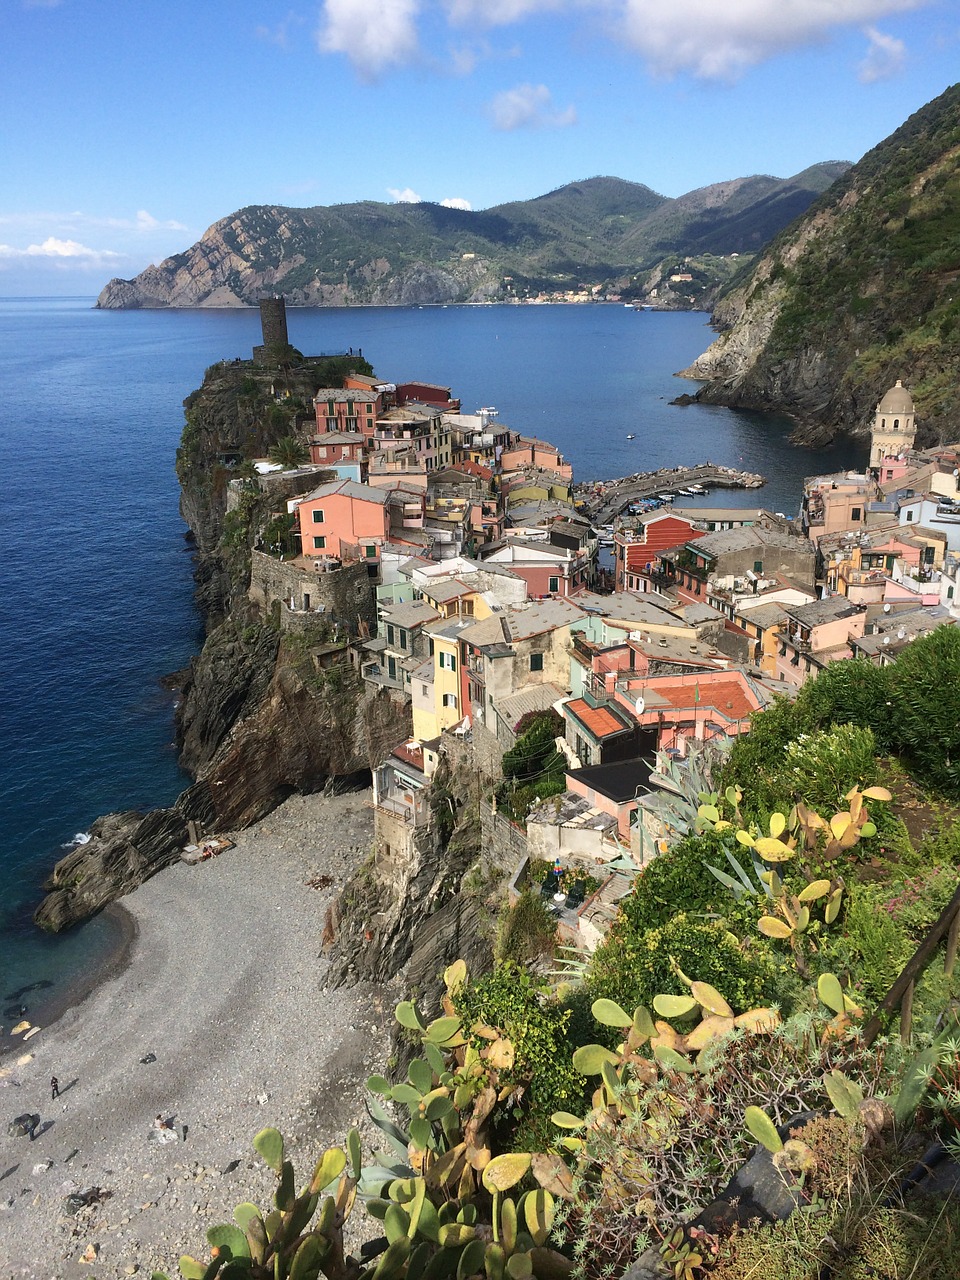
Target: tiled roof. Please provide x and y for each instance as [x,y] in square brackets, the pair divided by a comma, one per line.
[600,721]
[409,614]
[410,753]
[538,697]
[728,696]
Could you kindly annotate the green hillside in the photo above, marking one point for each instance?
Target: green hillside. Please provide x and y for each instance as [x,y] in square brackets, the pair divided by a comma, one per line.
[860,290]
[602,231]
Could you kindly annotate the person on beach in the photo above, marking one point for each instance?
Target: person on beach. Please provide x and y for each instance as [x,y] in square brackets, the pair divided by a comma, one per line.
[54,1088]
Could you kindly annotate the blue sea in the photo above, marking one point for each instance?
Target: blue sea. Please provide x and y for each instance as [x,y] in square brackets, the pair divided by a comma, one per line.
[96,593]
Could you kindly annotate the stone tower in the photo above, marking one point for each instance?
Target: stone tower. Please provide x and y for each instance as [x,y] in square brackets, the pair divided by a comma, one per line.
[273,321]
[894,425]
[273,325]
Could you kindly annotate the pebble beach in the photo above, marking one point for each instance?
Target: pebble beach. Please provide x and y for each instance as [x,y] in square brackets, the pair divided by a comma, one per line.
[223,992]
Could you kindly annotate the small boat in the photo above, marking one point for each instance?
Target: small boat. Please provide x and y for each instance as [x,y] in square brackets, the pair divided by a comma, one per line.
[632,436]
[665,497]
[697,489]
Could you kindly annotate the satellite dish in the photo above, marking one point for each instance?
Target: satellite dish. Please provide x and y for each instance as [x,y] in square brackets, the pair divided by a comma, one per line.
[640,705]
[886,608]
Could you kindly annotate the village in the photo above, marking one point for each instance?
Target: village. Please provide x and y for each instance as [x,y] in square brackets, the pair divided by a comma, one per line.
[450,560]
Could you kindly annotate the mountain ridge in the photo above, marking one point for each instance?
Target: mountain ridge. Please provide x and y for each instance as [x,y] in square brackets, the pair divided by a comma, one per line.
[597,231]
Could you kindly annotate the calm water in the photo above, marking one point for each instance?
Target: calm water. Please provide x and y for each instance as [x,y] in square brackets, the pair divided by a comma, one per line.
[96,593]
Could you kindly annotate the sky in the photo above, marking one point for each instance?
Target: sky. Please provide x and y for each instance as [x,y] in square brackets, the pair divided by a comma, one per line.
[126,130]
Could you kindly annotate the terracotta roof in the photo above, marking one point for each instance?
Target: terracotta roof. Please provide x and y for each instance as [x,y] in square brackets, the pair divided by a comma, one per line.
[600,721]
[728,696]
[410,753]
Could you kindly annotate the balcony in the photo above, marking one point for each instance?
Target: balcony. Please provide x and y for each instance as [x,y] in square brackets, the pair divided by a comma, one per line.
[415,812]
[374,674]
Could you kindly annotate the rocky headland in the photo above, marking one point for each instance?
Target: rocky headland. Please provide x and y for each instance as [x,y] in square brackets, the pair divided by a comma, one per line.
[256,721]
[859,291]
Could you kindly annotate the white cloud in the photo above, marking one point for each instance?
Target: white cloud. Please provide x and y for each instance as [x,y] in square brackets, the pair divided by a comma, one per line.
[456,202]
[710,39]
[528,106]
[719,41]
[373,34]
[404,195]
[885,57]
[500,13]
[65,251]
[147,222]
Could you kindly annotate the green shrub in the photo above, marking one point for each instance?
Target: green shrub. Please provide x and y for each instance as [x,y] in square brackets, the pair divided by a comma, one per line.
[925,711]
[852,692]
[526,931]
[632,966]
[678,880]
[518,1003]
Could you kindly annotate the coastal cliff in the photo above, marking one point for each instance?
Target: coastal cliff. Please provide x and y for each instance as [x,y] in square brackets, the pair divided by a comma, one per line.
[257,719]
[860,291]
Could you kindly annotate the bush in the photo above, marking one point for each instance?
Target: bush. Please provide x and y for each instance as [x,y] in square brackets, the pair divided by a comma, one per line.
[850,692]
[633,966]
[526,931]
[818,767]
[552,719]
[925,716]
[676,881]
[518,1003]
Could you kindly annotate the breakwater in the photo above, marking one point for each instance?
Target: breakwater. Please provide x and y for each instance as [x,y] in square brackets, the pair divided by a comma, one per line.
[603,502]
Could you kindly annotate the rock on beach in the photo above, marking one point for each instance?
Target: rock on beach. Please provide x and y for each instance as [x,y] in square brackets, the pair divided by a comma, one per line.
[225,988]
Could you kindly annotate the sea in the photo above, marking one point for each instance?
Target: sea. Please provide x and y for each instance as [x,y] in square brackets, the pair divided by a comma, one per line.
[97,600]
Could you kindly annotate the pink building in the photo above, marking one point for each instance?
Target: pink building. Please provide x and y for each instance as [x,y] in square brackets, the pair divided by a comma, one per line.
[347,410]
[334,447]
[816,634]
[351,521]
[526,451]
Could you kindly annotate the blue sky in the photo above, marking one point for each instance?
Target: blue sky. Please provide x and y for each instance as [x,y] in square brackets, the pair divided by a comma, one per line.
[126,130]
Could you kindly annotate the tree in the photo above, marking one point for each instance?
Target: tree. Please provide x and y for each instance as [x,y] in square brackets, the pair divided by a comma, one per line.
[850,692]
[289,452]
[925,708]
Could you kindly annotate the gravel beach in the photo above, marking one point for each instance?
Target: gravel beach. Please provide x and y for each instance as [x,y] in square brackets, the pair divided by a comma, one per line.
[225,987]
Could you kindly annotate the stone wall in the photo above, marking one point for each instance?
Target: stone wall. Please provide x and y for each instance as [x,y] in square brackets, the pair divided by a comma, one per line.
[345,595]
[487,751]
[503,844]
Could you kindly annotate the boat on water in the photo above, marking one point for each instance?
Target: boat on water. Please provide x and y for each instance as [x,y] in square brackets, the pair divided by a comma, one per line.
[632,436]
[697,489]
[665,497]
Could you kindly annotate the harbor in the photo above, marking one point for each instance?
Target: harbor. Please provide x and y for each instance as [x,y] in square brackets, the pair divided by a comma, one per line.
[603,502]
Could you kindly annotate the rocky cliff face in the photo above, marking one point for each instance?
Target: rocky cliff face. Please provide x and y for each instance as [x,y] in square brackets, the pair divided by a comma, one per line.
[257,721]
[860,291]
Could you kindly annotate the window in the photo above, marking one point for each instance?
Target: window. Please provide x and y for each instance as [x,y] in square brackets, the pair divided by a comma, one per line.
[370,551]
[450,700]
[403,638]
[390,633]
[553,584]
[855,513]
[317,516]
[448,662]
[536,662]
[949,593]
[319,543]
[909,517]
[423,690]
[758,566]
